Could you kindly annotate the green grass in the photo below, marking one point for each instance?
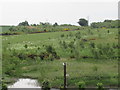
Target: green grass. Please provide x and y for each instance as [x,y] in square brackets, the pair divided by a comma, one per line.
[90,70]
[4,29]
[77,70]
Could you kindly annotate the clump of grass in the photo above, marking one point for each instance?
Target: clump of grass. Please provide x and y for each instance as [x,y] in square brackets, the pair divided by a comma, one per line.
[81,85]
[100,86]
[95,68]
[46,85]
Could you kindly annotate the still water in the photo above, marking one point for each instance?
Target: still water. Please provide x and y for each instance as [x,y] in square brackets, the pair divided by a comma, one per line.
[25,83]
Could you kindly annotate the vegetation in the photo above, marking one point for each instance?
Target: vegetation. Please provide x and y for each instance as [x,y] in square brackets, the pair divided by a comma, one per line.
[81,85]
[4,86]
[106,24]
[42,27]
[100,86]
[23,23]
[91,55]
[83,22]
[46,85]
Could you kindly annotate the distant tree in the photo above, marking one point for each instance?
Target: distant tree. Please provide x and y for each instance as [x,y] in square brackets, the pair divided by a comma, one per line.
[46,23]
[94,25]
[106,24]
[83,22]
[66,25]
[107,20]
[55,24]
[34,25]
[25,23]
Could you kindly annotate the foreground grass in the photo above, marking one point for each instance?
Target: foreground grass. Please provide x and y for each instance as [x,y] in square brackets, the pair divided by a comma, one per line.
[89,71]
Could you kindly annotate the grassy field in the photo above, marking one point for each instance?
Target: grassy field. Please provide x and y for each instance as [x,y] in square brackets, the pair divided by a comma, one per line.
[4,29]
[33,29]
[91,56]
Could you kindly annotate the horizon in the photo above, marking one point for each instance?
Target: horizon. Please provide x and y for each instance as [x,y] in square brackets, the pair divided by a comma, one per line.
[62,12]
[53,23]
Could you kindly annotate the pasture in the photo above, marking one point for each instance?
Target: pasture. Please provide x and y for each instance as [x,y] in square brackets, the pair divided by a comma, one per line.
[91,56]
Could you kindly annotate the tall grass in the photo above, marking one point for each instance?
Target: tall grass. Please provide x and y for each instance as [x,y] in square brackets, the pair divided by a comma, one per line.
[91,56]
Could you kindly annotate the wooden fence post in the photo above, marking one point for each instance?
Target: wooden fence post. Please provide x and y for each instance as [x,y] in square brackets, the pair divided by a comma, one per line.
[64,64]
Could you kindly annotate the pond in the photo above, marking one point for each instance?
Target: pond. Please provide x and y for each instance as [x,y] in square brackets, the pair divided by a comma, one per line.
[25,83]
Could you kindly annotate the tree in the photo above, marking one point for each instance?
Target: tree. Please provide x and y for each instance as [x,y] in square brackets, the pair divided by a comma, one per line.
[107,20]
[25,23]
[83,22]
[55,24]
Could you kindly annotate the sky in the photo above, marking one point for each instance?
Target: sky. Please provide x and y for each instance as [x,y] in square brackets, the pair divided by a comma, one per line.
[61,11]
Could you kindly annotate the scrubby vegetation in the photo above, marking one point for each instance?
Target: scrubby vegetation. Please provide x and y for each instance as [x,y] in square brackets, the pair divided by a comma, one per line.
[91,55]
[106,24]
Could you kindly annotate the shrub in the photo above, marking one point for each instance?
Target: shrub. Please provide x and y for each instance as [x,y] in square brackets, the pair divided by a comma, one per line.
[50,49]
[26,46]
[108,31]
[100,86]
[81,84]
[4,86]
[50,54]
[43,55]
[92,45]
[46,85]
[62,35]
[22,56]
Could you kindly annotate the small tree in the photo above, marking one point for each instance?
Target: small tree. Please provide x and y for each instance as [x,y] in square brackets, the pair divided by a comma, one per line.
[25,23]
[55,24]
[83,22]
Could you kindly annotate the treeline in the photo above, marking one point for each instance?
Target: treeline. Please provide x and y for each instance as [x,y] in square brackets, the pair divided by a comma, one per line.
[25,23]
[81,22]
[25,27]
[106,24]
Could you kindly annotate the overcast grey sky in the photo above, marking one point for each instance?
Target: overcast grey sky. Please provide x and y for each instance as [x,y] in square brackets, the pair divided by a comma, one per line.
[61,11]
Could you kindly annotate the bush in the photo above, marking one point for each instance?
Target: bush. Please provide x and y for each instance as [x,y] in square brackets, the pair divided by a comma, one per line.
[50,49]
[50,54]
[26,46]
[22,56]
[45,85]
[81,85]
[43,55]
[100,86]
[92,45]
[4,86]
[62,35]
